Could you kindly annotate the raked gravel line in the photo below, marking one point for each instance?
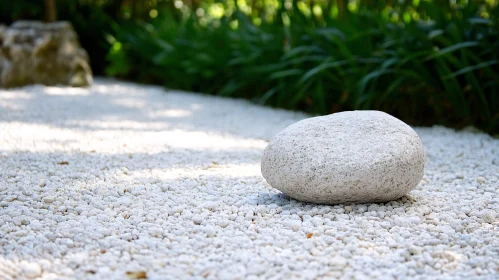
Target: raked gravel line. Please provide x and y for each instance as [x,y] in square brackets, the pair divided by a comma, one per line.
[129,178]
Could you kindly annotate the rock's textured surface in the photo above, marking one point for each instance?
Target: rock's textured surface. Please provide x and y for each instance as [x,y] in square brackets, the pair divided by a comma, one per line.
[357,156]
[33,52]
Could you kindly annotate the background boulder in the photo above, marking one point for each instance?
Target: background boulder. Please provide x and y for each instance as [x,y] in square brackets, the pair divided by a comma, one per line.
[33,52]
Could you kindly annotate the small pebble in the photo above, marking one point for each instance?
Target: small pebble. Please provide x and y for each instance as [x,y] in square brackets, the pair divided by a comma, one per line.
[48,199]
[481,180]
[31,270]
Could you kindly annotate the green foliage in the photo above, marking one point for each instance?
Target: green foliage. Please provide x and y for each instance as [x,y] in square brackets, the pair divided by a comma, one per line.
[443,69]
[424,61]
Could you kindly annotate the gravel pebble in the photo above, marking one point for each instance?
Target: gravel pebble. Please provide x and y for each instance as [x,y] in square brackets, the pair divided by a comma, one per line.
[169,184]
[481,180]
[48,199]
[31,270]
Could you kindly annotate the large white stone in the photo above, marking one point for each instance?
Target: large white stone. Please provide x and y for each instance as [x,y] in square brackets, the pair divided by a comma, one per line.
[355,156]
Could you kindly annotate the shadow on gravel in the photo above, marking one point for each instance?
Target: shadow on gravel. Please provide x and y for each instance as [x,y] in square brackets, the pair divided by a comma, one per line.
[110,104]
[282,199]
[178,158]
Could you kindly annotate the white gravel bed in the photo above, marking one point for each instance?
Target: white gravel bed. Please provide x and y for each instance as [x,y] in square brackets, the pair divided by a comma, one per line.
[126,181]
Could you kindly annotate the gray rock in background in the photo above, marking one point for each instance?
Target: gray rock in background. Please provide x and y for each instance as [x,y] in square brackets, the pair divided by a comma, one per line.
[357,156]
[3,30]
[33,52]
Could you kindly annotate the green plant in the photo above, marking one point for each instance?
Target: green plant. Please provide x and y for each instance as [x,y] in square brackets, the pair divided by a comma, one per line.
[426,62]
[442,69]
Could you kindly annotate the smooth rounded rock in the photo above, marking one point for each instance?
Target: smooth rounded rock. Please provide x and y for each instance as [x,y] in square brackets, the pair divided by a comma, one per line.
[355,156]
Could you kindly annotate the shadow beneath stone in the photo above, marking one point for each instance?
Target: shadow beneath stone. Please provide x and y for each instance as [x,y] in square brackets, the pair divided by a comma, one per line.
[283,199]
[406,200]
[269,198]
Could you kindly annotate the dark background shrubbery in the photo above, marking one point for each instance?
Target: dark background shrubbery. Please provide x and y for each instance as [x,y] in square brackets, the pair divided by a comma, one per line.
[426,62]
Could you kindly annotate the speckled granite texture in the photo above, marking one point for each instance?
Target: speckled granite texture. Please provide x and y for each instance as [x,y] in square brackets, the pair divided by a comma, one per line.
[355,156]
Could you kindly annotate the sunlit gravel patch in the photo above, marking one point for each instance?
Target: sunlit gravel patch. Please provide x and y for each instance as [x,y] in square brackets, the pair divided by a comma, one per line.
[123,181]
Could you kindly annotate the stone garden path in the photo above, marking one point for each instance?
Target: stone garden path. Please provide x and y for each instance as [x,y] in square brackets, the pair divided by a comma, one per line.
[129,181]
